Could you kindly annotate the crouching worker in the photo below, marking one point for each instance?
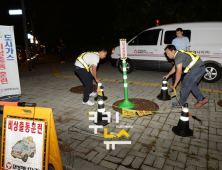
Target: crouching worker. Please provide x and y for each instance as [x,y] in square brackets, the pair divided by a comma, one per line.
[192,65]
[85,66]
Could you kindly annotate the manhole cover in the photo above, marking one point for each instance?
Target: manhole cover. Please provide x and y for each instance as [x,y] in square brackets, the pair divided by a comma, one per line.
[219,103]
[80,89]
[140,104]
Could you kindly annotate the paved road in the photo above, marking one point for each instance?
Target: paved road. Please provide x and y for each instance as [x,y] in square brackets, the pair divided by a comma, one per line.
[154,145]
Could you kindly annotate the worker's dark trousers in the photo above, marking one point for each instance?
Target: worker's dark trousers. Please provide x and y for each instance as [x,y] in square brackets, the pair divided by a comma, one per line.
[86,78]
[62,55]
[190,84]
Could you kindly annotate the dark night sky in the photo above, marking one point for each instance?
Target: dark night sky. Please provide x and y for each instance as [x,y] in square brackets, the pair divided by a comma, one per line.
[78,22]
[88,25]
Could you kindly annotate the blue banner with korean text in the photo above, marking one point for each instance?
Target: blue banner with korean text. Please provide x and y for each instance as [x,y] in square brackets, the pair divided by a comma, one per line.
[9,76]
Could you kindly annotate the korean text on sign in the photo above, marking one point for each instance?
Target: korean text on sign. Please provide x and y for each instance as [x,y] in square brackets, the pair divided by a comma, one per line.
[24,126]
[3,75]
[9,47]
[123,50]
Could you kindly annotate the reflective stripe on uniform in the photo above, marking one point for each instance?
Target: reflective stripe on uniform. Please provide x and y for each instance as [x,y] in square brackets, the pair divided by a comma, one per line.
[80,59]
[193,56]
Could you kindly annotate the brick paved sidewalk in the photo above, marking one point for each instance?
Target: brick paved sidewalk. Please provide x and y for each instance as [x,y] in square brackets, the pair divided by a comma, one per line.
[154,145]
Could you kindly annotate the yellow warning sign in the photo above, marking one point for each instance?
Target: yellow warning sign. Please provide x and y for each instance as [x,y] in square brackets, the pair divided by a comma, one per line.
[143,112]
[123,49]
[29,139]
[132,113]
[128,113]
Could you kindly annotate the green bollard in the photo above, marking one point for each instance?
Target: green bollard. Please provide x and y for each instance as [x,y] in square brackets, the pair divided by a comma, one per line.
[126,104]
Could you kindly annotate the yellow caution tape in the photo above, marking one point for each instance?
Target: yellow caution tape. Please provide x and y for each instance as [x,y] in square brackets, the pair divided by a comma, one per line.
[100,133]
[114,133]
[89,115]
[174,93]
[126,112]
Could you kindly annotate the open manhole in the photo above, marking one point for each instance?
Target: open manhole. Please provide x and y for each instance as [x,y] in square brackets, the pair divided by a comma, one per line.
[219,103]
[140,104]
[80,89]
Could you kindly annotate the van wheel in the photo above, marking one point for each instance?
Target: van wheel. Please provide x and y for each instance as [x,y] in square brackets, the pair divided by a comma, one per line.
[25,158]
[32,155]
[129,66]
[213,73]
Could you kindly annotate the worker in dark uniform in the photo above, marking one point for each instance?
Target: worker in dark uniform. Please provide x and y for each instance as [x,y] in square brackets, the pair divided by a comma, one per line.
[193,67]
[61,46]
[85,66]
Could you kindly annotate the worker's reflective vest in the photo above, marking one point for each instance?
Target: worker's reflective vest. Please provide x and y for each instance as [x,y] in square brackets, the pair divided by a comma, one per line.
[193,56]
[80,59]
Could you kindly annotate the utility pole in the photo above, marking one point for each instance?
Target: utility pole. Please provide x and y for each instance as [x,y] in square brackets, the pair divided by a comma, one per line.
[25,34]
[33,59]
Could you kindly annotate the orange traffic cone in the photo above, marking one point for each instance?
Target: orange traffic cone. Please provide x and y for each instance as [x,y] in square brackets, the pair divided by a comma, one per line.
[164,91]
[101,109]
[182,129]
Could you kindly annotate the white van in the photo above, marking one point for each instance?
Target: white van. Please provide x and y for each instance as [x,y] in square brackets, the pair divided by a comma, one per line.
[146,50]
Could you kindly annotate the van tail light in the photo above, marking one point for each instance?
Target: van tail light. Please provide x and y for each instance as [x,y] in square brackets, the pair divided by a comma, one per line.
[113,50]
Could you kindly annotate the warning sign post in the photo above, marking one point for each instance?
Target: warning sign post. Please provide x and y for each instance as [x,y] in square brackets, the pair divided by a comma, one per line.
[29,143]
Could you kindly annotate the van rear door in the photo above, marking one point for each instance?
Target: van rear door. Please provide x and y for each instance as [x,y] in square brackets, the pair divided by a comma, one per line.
[143,50]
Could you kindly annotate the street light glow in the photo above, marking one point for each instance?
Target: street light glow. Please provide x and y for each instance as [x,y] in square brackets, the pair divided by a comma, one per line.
[15,12]
[29,36]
